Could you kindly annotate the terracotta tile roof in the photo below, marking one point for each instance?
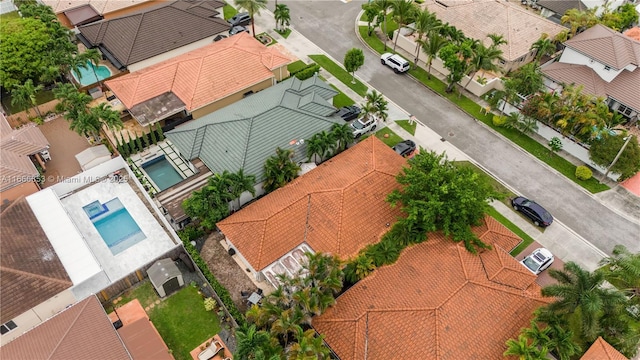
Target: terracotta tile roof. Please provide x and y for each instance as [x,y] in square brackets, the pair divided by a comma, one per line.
[337,208]
[136,37]
[633,33]
[102,6]
[139,335]
[202,76]
[437,301]
[15,148]
[30,271]
[624,88]
[82,331]
[478,18]
[601,350]
[606,46]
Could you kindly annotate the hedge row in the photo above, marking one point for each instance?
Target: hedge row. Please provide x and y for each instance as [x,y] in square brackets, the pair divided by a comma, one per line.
[222,292]
[307,71]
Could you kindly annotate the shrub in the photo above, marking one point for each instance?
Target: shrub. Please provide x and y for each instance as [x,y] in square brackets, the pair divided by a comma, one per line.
[390,34]
[583,173]
[307,72]
[499,120]
[210,304]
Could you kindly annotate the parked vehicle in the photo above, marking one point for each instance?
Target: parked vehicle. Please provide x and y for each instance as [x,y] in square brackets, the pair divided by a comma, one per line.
[539,260]
[348,112]
[405,148]
[533,211]
[237,29]
[363,125]
[240,19]
[394,61]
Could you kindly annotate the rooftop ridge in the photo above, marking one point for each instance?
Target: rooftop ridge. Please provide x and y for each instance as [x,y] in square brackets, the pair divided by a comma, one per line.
[38,276]
[68,329]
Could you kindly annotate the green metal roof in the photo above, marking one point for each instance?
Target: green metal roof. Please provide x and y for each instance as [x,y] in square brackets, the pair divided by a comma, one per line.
[244,134]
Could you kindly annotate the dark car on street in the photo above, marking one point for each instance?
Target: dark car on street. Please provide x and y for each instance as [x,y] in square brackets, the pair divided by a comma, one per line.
[532,210]
[348,112]
[405,148]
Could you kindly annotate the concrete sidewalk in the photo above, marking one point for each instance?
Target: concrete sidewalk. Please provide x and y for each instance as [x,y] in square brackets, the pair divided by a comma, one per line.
[559,239]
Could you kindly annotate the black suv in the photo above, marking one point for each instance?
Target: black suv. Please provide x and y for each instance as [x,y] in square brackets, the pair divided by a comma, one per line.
[349,112]
[533,211]
[240,19]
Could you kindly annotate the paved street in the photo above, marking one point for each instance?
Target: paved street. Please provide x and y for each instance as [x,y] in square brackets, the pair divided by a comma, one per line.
[330,25]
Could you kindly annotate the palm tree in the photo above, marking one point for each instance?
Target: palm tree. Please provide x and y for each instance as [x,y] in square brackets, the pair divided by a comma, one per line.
[73,63]
[327,143]
[253,344]
[93,56]
[623,269]
[107,116]
[24,96]
[363,266]
[453,33]
[426,23]
[287,322]
[497,39]
[543,46]
[378,103]
[70,99]
[524,349]
[241,183]
[279,170]
[383,9]
[483,59]
[85,124]
[579,20]
[253,7]
[403,13]
[314,149]
[367,110]
[539,336]
[580,293]
[431,47]
[342,134]
[562,344]
[308,346]
[50,74]
[282,16]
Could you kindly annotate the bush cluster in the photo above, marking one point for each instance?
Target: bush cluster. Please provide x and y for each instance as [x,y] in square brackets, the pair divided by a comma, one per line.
[583,173]
[307,72]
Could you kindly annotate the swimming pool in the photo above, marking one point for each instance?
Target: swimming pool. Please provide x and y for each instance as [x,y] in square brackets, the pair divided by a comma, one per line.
[163,174]
[118,229]
[87,77]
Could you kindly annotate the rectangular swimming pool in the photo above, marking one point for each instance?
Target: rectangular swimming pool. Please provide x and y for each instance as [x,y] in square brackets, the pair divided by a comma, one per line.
[118,229]
[163,174]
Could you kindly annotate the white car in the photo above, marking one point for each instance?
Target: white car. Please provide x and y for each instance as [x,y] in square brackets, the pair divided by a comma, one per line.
[394,61]
[363,125]
[539,260]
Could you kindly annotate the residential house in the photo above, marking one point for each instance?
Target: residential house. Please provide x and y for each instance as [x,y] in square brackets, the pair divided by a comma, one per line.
[20,150]
[201,81]
[79,12]
[601,350]
[337,208]
[633,33]
[59,245]
[555,9]
[139,40]
[82,331]
[437,301]
[605,63]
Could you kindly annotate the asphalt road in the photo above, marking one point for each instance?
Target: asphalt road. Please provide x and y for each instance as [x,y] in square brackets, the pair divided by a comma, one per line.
[330,25]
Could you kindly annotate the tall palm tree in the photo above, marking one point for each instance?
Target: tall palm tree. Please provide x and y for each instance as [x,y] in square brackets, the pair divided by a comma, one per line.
[562,343]
[543,46]
[497,39]
[287,323]
[624,270]
[73,63]
[241,183]
[431,47]
[580,293]
[425,24]
[93,56]
[342,134]
[107,116]
[24,96]
[282,16]
[383,9]
[403,13]
[253,344]
[579,20]
[253,7]
[539,335]
[327,143]
[452,33]
[314,149]
[524,349]
[308,346]
[279,170]
[483,59]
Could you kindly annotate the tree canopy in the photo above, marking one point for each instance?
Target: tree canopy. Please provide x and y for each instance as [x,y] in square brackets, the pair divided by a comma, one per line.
[353,60]
[439,195]
[603,151]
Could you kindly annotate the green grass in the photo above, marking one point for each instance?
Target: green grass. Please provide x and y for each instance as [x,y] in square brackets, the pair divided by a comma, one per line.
[42,97]
[392,139]
[229,11]
[340,73]
[296,66]
[536,149]
[341,99]
[410,127]
[285,34]
[183,322]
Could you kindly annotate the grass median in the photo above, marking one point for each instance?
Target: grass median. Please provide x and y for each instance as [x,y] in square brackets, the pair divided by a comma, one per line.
[340,73]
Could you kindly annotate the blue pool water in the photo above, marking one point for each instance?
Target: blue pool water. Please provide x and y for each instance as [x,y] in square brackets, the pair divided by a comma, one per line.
[115,225]
[87,77]
[162,173]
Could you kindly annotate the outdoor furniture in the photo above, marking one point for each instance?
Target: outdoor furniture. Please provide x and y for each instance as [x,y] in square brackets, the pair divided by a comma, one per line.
[211,351]
[254,298]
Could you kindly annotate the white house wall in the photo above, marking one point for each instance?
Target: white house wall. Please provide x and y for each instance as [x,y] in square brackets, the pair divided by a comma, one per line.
[171,54]
[570,56]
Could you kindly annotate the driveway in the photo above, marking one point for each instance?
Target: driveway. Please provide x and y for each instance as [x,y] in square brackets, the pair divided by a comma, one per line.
[64,145]
[323,22]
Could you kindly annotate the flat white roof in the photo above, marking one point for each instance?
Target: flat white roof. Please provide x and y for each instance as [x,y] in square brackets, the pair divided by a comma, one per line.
[75,255]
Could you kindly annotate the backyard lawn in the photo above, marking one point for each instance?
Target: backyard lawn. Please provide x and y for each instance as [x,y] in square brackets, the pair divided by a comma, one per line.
[340,73]
[180,319]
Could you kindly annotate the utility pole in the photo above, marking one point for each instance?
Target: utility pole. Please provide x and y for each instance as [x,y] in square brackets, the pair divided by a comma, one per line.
[627,139]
